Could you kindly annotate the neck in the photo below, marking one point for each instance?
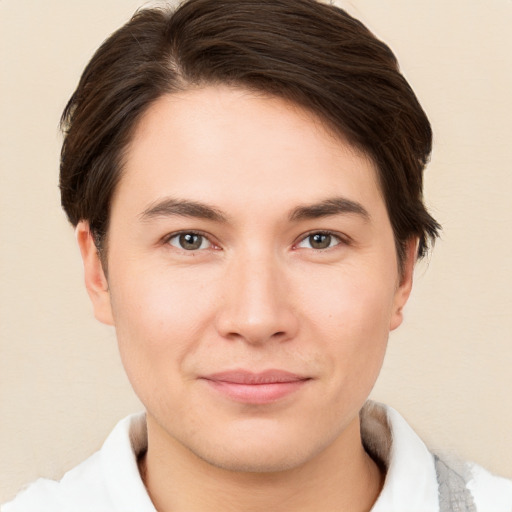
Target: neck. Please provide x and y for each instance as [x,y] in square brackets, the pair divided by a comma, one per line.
[342,477]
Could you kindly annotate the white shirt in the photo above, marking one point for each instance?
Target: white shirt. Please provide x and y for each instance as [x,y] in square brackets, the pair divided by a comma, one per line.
[109,480]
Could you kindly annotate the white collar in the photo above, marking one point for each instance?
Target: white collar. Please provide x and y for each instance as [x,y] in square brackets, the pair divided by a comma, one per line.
[410,484]
[119,464]
[411,481]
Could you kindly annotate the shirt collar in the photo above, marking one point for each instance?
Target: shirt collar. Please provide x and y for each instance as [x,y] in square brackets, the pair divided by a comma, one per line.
[411,482]
[119,456]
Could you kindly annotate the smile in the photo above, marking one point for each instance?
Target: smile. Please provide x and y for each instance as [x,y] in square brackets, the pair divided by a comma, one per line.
[256,388]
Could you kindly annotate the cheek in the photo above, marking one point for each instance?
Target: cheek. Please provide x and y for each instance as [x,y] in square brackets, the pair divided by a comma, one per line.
[358,299]
[351,317]
[161,303]
[159,320]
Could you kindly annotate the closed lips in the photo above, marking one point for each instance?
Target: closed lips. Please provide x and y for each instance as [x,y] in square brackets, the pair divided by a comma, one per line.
[250,378]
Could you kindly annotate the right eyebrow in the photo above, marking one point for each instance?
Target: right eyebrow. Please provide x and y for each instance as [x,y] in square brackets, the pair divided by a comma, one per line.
[170,207]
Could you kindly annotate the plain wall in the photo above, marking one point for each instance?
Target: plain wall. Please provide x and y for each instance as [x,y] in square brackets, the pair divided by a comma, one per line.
[449,367]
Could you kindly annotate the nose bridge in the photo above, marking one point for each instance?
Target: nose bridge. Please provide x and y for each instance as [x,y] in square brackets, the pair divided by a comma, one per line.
[257,305]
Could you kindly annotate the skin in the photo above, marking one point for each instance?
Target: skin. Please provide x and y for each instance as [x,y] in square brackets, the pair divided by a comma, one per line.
[256,294]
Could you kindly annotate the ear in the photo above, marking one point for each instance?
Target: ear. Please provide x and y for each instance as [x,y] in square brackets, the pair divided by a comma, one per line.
[95,279]
[405,286]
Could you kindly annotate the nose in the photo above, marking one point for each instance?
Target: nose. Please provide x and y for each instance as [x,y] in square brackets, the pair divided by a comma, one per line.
[256,304]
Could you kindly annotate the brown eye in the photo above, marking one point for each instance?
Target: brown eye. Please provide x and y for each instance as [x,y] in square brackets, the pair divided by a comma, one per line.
[189,241]
[319,241]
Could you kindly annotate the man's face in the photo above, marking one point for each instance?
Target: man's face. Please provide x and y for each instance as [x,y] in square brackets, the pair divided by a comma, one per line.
[252,279]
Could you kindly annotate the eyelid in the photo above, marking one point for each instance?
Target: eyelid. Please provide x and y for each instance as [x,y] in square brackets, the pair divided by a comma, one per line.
[167,238]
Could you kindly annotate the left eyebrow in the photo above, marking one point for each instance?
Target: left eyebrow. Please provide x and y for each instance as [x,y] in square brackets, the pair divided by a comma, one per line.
[332,206]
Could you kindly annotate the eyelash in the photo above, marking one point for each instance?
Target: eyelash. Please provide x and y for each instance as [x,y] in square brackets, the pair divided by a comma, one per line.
[337,236]
[341,239]
[167,240]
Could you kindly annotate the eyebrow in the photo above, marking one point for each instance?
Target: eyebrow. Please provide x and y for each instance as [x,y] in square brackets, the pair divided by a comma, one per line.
[332,206]
[170,207]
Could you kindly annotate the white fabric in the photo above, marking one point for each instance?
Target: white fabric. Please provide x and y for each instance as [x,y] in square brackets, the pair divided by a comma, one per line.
[109,480]
[411,481]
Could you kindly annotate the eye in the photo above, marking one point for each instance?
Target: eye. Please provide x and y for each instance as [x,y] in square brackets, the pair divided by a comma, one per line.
[319,240]
[189,241]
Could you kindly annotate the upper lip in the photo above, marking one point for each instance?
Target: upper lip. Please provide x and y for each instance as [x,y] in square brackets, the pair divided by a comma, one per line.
[251,378]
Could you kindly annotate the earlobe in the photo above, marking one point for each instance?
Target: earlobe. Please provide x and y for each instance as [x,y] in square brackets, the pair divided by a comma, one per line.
[95,280]
[404,288]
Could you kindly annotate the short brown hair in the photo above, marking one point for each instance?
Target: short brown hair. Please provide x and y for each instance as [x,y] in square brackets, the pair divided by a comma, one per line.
[312,54]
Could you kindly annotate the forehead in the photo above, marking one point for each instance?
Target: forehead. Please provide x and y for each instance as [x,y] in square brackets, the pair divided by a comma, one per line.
[228,144]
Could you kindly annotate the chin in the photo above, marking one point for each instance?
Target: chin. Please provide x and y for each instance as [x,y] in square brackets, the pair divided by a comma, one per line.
[263,451]
[255,462]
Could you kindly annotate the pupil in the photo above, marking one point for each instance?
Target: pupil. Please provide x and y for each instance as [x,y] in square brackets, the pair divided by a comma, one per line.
[320,241]
[189,241]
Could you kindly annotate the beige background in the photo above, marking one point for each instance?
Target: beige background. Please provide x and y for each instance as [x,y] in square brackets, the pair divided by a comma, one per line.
[448,370]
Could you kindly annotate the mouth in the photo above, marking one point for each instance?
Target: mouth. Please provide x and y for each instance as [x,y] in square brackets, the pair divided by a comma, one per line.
[256,388]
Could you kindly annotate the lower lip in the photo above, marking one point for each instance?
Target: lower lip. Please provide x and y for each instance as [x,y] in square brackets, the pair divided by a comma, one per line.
[256,393]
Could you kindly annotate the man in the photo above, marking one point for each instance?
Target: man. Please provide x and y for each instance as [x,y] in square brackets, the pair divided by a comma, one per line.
[245,179]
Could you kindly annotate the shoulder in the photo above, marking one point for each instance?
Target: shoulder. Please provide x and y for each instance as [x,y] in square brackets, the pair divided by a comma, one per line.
[471,487]
[417,479]
[490,492]
[82,488]
[107,481]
